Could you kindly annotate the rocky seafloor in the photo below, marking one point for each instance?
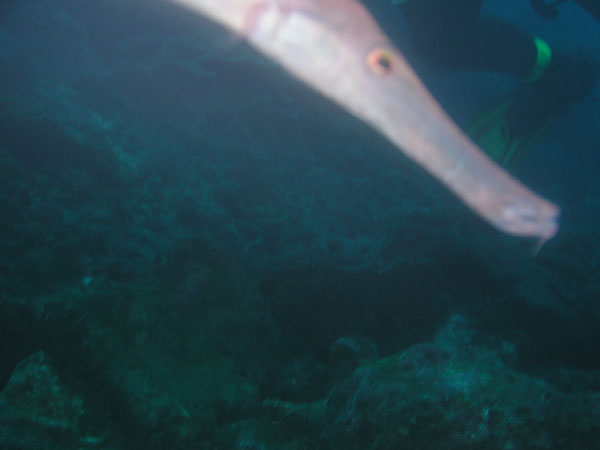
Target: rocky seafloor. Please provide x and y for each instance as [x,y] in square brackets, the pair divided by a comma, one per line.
[199,253]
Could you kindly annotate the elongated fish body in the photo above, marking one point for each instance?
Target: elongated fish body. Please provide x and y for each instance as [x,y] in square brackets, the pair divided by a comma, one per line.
[336,48]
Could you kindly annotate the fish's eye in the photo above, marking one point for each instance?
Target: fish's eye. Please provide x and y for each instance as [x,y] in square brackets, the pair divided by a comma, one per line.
[380,61]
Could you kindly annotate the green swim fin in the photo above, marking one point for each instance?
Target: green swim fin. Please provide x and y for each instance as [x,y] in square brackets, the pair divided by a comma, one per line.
[490,130]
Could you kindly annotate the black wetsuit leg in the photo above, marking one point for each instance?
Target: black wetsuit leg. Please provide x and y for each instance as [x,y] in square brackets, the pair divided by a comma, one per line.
[453,34]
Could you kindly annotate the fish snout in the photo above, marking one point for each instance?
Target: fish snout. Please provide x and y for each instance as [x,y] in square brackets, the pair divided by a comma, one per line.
[530,219]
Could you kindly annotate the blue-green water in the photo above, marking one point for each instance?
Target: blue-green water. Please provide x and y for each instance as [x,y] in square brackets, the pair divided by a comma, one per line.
[198,252]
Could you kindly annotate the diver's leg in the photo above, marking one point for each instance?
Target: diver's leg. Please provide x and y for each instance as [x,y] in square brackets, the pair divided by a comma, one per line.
[453,34]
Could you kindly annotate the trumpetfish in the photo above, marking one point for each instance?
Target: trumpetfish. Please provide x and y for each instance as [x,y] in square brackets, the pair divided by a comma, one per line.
[339,50]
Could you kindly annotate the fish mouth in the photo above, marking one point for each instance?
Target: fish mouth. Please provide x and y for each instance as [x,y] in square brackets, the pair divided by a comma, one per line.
[529,220]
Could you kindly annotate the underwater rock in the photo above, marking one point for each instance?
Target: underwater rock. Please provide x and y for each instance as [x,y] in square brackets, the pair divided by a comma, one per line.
[38,411]
[453,393]
[347,353]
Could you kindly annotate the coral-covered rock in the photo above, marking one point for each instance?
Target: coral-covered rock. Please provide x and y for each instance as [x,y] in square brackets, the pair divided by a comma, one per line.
[454,394]
[38,411]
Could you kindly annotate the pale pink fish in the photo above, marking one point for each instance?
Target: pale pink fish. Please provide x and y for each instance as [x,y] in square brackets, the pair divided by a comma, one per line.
[336,48]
